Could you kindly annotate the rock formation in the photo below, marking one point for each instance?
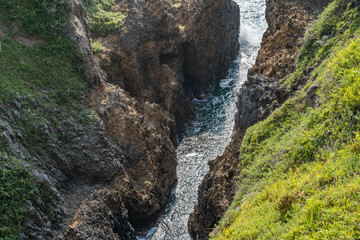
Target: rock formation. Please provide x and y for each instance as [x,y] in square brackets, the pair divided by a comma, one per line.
[259,96]
[280,44]
[114,175]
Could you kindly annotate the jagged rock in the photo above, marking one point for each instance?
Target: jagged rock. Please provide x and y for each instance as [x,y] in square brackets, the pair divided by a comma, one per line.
[104,178]
[257,98]
[169,70]
[287,22]
[286,25]
[42,178]
[101,216]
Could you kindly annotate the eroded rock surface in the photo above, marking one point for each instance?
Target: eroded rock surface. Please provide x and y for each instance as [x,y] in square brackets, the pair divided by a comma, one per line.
[171,51]
[259,96]
[280,44]
[114,174]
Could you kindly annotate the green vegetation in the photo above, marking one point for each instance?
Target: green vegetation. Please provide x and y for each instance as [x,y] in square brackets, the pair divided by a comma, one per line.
[44,77]
[103,19]
[26,70]
[97,47]
[16,187]
[339,21]
[41,18]
[300,168]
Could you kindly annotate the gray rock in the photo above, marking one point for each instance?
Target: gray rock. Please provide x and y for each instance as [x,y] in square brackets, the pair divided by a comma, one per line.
[6,135]
[42,178]
[32,210]
[11,116]
[258,97]
[17,115]
[310,99]
[17,104]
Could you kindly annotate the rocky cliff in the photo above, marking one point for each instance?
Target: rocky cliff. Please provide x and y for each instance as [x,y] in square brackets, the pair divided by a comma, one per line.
[154,69]
[290,163]
[259,96]
[113,175]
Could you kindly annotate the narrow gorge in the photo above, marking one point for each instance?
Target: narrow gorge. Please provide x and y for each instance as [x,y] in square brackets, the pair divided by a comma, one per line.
[260,95]
[93,96]
[179,119]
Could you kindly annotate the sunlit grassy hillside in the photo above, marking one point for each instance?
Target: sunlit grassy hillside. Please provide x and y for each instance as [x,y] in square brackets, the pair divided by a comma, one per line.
[300,168]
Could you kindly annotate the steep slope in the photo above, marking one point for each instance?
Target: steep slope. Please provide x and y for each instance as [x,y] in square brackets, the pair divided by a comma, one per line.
[88,152]
[260,95]
[299,168]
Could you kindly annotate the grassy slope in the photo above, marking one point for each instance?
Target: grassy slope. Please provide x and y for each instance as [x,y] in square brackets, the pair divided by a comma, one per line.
[300,168]
[52,69]
[103,19]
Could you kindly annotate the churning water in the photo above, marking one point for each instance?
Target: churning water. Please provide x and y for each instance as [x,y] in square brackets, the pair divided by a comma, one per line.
[210,133]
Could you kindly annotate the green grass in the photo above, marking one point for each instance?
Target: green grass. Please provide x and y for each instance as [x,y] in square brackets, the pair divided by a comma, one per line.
[300,168]
[16,187]
[47,76]
[26,70]
[338,23]
[40,18]
[103,19]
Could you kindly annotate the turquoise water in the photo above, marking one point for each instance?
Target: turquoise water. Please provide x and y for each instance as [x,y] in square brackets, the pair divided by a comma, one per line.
[210,134]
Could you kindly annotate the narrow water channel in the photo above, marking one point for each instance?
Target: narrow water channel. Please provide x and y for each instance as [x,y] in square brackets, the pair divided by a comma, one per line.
[210,134]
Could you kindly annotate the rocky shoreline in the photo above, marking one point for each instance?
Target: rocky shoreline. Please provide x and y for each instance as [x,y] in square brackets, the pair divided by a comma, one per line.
[259,96]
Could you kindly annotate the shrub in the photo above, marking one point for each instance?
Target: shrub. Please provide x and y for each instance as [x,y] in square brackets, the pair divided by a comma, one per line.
[103,19]
[284,204]
[97,47]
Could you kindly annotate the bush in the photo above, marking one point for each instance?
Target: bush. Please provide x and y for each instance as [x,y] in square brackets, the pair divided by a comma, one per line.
[103,19]
[97,47]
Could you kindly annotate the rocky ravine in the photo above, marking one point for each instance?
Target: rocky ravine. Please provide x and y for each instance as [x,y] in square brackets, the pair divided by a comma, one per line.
[259,96]
[115,175]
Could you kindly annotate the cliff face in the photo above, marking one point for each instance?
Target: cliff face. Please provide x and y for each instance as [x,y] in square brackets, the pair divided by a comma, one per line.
[154,69]
[284,160]
[171,51]
[259,96]
[280,43]
[115,173]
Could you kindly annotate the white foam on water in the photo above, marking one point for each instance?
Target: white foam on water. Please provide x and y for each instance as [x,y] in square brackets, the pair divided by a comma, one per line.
[250,35]
[210,133]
